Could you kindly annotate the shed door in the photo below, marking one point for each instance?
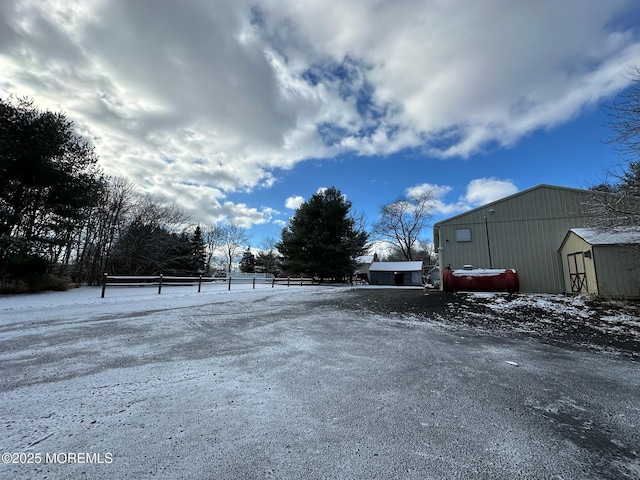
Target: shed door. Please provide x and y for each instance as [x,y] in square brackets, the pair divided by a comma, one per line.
[577,272]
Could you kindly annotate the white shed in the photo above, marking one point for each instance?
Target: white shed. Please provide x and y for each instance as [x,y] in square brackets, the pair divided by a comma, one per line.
[605,263]
[396,273]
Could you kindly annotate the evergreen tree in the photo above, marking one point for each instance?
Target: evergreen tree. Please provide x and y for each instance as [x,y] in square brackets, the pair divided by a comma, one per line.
[267,262]
[321,238]
[136,251]
[199,253]
[176,258]
[49,182]
[248,262]
[147,249]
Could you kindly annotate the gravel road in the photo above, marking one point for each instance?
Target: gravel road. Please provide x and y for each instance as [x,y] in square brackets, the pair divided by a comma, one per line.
[306,383]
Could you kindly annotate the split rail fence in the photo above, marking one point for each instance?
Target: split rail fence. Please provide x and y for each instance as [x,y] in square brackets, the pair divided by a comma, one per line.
[162,280]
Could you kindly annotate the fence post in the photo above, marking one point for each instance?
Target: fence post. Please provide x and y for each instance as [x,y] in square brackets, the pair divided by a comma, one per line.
[301,280]
[288,281]
[160,285]
[273,282]
[254,283]
[104,284]
[229,282]
[199,283]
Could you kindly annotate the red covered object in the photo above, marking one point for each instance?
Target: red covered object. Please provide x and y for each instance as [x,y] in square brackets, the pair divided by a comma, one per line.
[481,280]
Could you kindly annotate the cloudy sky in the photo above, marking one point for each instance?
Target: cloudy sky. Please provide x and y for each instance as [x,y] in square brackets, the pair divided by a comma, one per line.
[239,109]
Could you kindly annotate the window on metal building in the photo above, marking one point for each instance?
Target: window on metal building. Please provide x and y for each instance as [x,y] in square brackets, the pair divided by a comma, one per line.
[463,235]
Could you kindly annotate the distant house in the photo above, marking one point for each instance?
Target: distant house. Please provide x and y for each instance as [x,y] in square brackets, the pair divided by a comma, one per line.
[521,232]
[602,262]
[396,273]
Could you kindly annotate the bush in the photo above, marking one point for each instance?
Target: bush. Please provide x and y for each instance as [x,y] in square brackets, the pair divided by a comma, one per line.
[39,283]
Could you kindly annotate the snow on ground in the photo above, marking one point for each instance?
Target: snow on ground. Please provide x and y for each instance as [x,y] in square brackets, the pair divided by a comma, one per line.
[569,305]
[132,297]
[583,319]
[283,383]
[605,316]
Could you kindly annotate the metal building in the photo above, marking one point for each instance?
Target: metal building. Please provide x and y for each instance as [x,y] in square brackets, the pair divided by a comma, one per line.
[522,232]
[396,273]
[603,263]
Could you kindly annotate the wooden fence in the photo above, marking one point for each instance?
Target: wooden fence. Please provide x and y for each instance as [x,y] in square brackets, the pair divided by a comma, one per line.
[162,280]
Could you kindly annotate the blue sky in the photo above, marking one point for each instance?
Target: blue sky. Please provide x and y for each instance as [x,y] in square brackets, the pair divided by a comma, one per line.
[237,110]
[575,154]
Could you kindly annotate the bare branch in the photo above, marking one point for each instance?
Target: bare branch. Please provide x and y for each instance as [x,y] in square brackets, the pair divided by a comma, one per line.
[402,222]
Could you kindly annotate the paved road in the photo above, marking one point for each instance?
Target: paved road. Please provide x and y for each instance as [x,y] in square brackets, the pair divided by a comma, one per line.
[286,385]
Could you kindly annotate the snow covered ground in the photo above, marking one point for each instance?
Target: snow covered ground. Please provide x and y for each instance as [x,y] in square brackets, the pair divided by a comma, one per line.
[301,382]
[579,319]
[130,297]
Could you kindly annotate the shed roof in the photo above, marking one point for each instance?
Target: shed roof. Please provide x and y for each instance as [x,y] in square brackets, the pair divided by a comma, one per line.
[396,266]
[612,236]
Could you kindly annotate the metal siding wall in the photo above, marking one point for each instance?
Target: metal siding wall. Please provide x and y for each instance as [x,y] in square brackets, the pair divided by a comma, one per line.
[415,278]
[525,233]
[618,269]
[389,278]
[381,278]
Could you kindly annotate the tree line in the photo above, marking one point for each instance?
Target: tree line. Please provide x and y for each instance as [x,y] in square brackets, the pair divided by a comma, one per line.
[62,219]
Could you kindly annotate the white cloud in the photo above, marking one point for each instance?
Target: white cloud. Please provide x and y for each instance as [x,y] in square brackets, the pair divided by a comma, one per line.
[437,191]
[444,83]
[294,203]
[486,190]
[479,191]
[222,95]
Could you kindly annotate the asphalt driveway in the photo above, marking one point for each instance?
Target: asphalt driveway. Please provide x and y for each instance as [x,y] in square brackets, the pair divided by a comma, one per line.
[288,384]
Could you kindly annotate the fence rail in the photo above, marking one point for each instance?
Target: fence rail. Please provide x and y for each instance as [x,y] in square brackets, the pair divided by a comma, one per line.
[162,280]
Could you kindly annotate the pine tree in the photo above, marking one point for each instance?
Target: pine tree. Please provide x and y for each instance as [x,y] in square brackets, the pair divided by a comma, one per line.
[267,262]
[49,182]
[248,262]
[321,238]
[198,252]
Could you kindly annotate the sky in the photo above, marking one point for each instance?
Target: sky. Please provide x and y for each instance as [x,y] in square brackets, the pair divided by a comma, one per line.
[239,110]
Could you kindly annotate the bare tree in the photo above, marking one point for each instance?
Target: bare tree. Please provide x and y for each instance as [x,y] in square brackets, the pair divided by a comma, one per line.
[624,119]
[157,210]
[402,222]
[153,239]
[234,240]
[212,237]
[102,230]
[268,244]
[616,201]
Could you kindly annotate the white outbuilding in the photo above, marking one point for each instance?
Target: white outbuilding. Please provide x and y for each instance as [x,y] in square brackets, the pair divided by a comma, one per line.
[396,273]
[602,262]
